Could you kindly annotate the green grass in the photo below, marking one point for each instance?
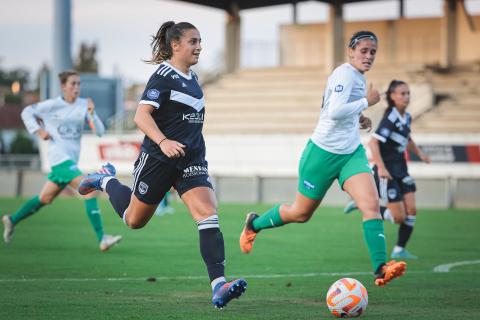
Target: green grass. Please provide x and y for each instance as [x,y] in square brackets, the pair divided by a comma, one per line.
[54,270]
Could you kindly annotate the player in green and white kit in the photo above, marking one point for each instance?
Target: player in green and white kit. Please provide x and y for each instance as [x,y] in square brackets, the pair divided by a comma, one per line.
[61,121]
[334,152]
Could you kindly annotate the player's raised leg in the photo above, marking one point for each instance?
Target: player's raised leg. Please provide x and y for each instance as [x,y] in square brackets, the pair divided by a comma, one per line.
[300,211]
[105,180]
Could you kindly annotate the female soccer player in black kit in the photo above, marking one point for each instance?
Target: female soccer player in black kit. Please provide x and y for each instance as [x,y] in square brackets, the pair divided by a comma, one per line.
[171,114]
[395,186]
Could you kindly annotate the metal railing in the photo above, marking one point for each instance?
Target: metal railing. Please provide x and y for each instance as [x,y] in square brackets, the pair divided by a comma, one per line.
[20,161]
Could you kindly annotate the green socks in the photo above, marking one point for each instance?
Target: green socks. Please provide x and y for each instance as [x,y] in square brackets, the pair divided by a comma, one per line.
[28,208]
[270,219]
[375,239]
[93,213]
[34,204]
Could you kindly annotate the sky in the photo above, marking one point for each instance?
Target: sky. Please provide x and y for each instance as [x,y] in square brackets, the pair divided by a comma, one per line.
[122,30]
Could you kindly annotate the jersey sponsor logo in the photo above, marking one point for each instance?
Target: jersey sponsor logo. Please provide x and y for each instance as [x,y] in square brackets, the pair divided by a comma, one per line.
[308,185]
[339,88]
[153,94]
[385,132]
[142,187]
[193,117]
[392,193]
[193,171]
[69,132]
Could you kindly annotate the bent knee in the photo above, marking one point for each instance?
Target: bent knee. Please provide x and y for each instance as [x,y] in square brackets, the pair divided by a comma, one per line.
[133,223]
[400,219]
[369,206]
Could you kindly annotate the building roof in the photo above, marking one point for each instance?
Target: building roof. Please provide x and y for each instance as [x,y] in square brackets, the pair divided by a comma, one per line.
[250,4]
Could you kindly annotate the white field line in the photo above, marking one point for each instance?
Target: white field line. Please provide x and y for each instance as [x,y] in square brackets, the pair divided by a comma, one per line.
[440,268]
[448,266]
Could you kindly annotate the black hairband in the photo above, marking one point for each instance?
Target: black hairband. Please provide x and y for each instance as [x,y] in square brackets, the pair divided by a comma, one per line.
[354,41]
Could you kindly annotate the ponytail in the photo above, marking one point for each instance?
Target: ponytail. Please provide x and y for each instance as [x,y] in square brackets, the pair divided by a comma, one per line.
[162,40]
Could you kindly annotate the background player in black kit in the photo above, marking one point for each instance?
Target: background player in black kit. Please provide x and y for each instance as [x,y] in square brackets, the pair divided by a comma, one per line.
[171,114]
[395,186]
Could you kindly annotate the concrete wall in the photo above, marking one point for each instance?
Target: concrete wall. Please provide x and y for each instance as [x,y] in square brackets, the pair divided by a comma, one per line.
[431,192]
[412,41]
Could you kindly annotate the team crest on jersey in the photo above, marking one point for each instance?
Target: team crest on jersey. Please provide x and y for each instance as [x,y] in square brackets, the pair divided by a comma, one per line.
[392,193]
[385,132]
[408,180]
[153,94]
[142,187]
[339,88]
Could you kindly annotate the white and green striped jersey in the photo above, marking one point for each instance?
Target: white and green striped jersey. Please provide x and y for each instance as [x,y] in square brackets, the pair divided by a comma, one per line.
[65,123]
[344,99]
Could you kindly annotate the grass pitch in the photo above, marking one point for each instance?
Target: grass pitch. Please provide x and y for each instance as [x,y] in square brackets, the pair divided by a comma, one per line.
[53,268]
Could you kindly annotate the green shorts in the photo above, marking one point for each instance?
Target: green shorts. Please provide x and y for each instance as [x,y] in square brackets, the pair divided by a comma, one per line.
[63,173]
[319,168]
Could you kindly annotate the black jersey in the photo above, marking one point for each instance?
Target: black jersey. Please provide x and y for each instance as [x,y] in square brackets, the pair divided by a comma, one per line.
[180,109]
[394,133]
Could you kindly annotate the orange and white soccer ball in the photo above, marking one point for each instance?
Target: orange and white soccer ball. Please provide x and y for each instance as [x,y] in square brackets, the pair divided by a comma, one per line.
[347,298]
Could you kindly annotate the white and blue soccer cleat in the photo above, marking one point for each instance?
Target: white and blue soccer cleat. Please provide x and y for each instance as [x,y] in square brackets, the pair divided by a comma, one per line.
[403,254]
[109,241]
[8,228]
[226,291]
[351,206]
[93,181]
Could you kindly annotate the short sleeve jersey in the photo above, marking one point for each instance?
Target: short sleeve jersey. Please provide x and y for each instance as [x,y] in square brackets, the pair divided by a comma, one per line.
[179,112]
[394,133]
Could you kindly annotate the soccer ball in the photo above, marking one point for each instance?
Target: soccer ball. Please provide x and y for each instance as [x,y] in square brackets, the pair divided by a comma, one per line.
[347,298]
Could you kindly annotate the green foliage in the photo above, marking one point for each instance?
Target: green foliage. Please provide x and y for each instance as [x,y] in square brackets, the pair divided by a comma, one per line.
[53,268]
[8,77]
[22,144]
[13,99]
[87,60]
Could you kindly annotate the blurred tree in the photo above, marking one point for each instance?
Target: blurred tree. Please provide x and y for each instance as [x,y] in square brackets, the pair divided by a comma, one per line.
[86,60]
[22,144]
[8,77]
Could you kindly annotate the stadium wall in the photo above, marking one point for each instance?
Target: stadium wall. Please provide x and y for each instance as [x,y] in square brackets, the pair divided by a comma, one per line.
[263,168]
[402,41]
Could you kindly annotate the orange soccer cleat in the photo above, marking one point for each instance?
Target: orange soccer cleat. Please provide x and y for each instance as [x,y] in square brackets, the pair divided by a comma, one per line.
[390,271]
[247,237]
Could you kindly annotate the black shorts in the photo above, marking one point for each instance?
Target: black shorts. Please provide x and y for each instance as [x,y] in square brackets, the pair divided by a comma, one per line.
[393,190]
[152,178]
